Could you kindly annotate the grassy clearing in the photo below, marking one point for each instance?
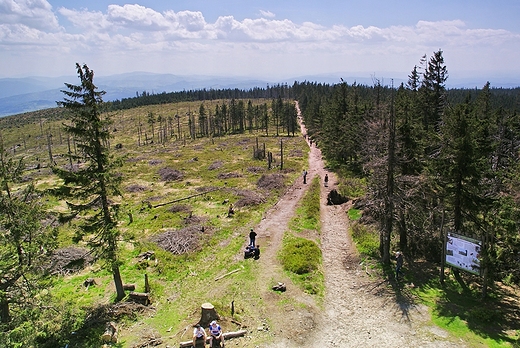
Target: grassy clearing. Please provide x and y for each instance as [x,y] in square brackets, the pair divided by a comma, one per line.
[155,175]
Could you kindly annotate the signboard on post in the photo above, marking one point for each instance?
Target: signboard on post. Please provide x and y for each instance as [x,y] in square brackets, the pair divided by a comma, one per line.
[463,253]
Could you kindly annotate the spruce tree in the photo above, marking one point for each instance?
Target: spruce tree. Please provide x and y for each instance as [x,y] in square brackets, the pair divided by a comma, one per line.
[93,184]
[24,239]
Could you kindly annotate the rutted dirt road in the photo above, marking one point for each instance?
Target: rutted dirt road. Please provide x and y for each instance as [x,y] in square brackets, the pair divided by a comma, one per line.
[358,310]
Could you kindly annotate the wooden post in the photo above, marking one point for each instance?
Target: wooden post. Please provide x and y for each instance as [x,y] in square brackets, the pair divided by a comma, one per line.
[146,284]
[281,154]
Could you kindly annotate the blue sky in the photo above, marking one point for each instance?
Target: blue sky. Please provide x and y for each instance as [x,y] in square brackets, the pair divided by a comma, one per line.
[263,39]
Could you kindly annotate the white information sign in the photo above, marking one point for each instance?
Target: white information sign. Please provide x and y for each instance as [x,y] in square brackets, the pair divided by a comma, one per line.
[463,252]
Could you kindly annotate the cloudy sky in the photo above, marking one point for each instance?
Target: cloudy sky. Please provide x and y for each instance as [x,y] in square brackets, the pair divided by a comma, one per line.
[270,39]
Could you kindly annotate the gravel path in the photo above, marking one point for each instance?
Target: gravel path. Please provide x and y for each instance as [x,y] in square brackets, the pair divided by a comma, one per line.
[359,310]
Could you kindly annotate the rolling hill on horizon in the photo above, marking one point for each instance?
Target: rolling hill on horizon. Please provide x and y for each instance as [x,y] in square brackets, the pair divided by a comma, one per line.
[20,95]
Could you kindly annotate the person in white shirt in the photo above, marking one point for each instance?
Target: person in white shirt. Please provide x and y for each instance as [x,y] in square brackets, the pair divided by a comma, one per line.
[199,335]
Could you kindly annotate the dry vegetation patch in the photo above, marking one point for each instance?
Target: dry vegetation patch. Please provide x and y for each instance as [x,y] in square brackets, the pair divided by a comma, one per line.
[136,188]
[215,165]
[229,175]
[271,181]
[180,208]
[114,312]
[255,169]
[170,174]
[69,260]
[154,162]
[248,198]
[180,241]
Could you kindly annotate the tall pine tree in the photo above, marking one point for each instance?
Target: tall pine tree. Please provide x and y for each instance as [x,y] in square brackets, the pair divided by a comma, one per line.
[94,183]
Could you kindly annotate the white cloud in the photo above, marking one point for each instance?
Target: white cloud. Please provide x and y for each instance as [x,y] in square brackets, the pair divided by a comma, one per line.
[267,14]
[136,17]
[138,35]
[31,13]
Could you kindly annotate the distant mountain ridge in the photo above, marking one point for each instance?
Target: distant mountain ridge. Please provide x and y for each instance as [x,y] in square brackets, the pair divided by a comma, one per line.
[19,95]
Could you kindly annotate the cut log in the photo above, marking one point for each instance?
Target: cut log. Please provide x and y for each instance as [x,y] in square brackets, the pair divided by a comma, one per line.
[110,334]
[140,297]
[129,287]
[227,335]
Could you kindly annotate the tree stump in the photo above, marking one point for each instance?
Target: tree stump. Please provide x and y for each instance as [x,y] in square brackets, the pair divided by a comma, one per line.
[208,314]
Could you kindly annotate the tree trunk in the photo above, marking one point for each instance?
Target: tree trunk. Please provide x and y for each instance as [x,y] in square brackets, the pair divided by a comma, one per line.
[5,314]
[120,291]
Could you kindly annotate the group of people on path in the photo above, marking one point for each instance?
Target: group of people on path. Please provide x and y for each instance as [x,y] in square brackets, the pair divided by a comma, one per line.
[325,179]
[200,337]
[252,249]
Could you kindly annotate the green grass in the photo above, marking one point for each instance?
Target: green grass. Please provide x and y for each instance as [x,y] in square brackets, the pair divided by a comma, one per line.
[465,315]
[301,258]
[366,239]
[354,214]
[307,215]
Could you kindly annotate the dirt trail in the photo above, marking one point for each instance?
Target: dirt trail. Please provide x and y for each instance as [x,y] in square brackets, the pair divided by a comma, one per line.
[357,310]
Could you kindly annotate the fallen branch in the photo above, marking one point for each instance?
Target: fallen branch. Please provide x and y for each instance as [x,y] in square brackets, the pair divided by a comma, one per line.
[229,273]
[182,199]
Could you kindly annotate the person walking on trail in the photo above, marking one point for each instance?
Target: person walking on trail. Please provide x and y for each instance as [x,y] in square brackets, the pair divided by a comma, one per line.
[199,337]
[304,176]
[399,264]
[215,333]
[326,180]
[252,237]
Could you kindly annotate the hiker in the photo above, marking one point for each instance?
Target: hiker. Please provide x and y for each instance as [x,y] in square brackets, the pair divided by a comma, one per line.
[326,180]
[256,252]
[199,337]
[215,333]
[231,210]
[249,252]
[304,176]
[252,237]
[399,264]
